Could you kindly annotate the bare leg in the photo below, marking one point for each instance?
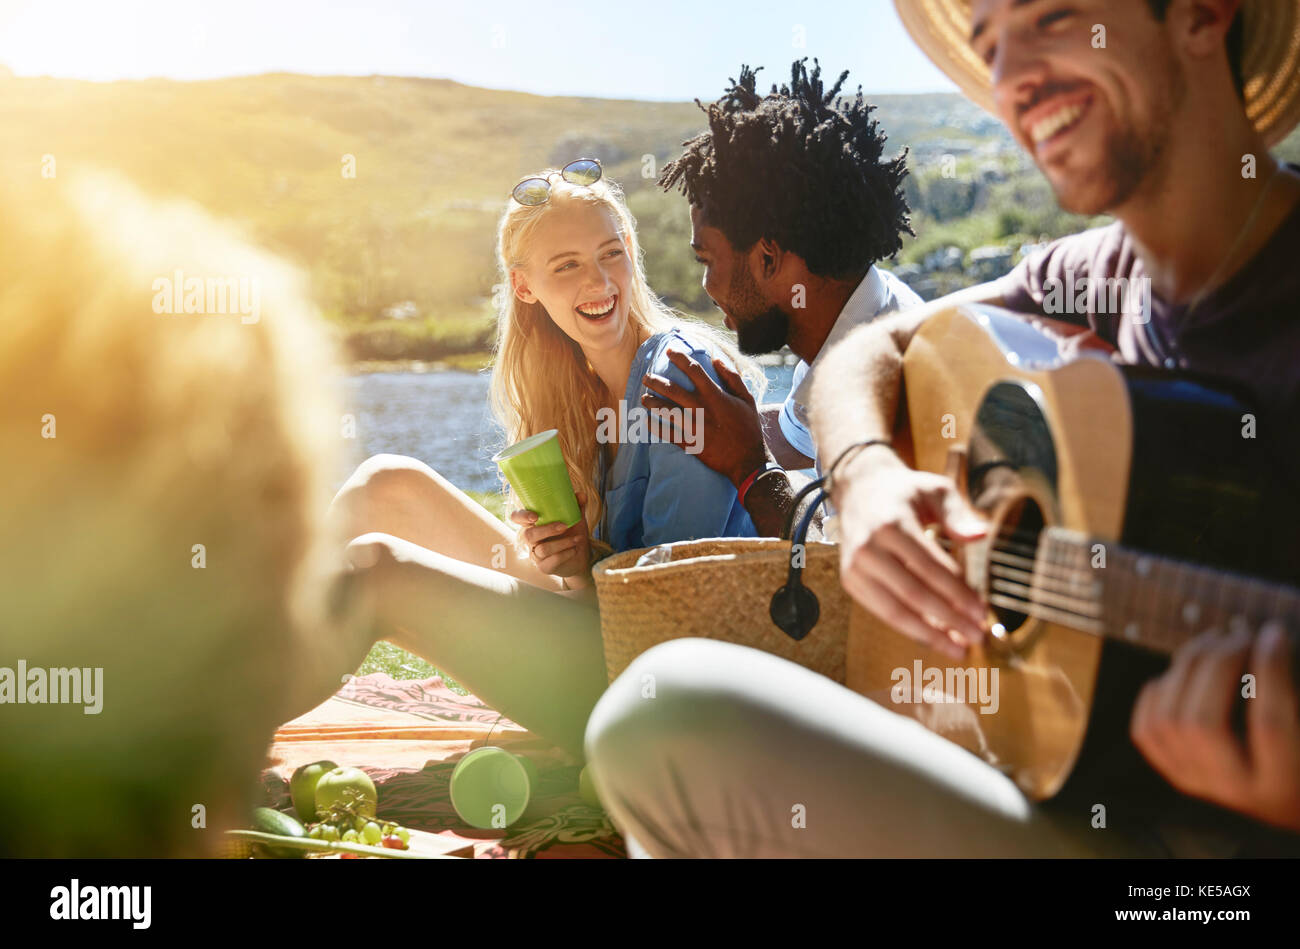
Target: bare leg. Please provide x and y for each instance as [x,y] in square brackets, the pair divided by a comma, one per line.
[534,655]
[445,582]
[404,497]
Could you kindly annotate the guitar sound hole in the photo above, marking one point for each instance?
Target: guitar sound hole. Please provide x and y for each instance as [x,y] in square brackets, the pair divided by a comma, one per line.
[1011,462]
[1011,562]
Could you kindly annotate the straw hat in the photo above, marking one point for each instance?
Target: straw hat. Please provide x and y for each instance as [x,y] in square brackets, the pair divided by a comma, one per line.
[1270,64]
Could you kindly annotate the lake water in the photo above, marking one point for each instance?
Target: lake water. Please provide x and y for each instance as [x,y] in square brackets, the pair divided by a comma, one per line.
[442,418]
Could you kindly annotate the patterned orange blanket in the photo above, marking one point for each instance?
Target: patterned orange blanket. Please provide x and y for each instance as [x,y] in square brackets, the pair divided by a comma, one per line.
[408,735]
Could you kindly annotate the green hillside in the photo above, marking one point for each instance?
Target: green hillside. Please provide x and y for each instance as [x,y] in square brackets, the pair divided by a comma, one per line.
[401,256]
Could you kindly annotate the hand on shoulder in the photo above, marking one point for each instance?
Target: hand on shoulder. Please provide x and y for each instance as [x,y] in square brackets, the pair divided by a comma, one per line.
[726,421]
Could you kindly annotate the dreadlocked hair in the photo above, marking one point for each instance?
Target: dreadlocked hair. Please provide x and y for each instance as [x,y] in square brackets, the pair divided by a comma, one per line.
[800,166]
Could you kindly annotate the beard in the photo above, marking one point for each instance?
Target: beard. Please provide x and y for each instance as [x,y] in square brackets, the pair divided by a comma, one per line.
[760,327]
[1131,154]
[1129,157]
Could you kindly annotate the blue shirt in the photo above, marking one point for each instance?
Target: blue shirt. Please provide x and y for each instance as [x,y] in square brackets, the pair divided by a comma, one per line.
[656,492]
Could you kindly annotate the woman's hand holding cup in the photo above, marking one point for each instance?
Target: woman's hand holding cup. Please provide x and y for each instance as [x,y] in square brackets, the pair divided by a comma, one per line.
[557,550]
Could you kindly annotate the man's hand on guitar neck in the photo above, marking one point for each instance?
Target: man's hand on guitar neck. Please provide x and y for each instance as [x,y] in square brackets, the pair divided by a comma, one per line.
[1182,723]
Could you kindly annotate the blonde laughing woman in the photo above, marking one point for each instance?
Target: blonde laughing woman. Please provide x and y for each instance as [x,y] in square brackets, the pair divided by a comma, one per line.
[511,613]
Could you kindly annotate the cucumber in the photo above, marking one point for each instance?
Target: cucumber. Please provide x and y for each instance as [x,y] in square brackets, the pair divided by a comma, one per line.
[282,825]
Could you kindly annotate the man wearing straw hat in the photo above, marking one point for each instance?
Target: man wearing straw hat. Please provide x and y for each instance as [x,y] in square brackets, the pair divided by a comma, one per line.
[1161,113]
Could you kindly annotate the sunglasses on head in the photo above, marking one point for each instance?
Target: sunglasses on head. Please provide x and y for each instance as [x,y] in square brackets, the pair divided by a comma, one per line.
[536,190]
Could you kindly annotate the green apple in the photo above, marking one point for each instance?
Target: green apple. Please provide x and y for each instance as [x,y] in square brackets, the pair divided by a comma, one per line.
[346,785]
[302,787]
[587,788]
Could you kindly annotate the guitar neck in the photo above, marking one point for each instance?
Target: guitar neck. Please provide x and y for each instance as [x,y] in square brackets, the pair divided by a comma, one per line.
[1149,600]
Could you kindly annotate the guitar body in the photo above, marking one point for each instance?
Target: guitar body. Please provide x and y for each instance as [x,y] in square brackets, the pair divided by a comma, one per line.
[1035,440]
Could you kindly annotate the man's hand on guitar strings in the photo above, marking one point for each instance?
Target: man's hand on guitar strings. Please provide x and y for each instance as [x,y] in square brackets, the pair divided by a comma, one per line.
[893,567]
[1182,723]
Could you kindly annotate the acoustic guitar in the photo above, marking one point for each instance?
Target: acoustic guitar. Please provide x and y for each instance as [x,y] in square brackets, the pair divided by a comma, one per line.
[1130,509]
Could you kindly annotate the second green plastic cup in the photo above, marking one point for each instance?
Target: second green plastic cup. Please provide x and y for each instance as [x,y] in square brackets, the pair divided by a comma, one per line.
[535,469]
[490,788]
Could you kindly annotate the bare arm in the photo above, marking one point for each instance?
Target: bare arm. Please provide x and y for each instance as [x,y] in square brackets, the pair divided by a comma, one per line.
[768,503]
[785,454]
[888,562]
[856,390]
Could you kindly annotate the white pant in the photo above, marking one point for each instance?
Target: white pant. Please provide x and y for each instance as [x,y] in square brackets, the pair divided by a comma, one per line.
[707,749]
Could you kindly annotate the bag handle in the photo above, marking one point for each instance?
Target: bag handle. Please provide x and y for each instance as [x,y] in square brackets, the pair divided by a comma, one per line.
[794,608]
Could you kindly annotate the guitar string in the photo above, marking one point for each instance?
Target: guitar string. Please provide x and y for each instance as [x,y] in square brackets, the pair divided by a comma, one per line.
[1004,594]
[1086,621]
[1062,576]
[1076,587]
[1073,620]
[1077,590]
[1015,567]
[1046,597]
[1007,596]
[1056,580]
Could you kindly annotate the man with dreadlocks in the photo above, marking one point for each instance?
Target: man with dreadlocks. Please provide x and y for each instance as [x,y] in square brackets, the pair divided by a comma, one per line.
[792,205]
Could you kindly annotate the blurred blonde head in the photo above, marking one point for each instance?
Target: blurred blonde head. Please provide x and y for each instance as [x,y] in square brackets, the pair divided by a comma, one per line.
[163,486]
[541,378]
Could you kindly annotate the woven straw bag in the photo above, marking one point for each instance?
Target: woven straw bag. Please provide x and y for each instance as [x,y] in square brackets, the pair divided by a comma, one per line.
[720,589]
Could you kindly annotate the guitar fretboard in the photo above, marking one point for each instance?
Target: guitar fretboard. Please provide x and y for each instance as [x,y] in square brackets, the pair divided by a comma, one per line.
[1152,601]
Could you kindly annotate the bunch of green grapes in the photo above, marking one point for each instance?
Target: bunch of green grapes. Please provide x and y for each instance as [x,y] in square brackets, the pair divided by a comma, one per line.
[343,823]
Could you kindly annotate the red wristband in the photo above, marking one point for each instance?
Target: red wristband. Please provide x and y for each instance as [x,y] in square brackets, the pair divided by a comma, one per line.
[749,482]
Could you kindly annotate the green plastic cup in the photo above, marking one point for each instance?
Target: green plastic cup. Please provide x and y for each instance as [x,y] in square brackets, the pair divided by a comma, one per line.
[490,788]
[535,469]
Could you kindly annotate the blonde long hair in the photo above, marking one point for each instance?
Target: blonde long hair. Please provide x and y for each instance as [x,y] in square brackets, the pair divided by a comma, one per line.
[568,393]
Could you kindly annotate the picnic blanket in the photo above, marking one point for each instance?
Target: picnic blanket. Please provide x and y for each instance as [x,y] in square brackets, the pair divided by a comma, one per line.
[407,735]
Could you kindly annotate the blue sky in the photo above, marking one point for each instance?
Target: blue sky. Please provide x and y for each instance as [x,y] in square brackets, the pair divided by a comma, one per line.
[672,50]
